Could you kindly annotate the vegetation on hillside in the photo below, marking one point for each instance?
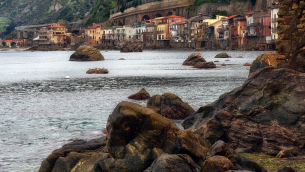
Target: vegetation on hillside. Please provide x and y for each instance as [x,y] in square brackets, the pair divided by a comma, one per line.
[101,11]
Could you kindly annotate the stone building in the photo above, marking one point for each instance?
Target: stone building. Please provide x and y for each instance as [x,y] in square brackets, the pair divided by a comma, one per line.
[52,36]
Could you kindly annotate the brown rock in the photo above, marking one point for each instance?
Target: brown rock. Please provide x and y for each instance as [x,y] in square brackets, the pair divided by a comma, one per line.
[218,163]
[131,47]
[170,106]
[263,60]
[284,154]
[193,59]
[222,55]
[247,64]
[141,95]
[86,53]
[205,65]
[97,71]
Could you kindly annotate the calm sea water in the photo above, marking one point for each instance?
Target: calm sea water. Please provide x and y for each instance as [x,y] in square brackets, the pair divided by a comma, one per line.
[40,110]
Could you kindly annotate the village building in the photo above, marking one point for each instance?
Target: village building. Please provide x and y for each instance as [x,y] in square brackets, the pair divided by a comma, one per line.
[93,35]
[274,10]
[138,29]
[52,36]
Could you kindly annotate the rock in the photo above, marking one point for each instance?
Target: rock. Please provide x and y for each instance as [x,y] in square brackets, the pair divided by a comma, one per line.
[239,57]
[170,163]
[265,114]
[222,55]
[205,65]
[141,95]
[122,59]
[221,148]
[77,146]
[131,47]
[262,61]
[223,64]
[97,71]
[284,154]
[216,61]
[218,163]
[86,53]
[286,169]
[193,59]
[242,163]
[170,106]
[247,64]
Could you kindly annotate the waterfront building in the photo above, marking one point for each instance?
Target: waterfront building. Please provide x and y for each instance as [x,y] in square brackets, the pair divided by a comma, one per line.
[150,35]
[228,31]
[138,29]
[240,30]
[265,32]
[93,34]
[128,32]
[274,23]
[52,36]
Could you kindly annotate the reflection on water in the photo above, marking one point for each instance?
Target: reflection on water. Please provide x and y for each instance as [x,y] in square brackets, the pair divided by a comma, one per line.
[40,110]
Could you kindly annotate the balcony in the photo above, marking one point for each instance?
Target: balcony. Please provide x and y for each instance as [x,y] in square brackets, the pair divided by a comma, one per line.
[274,30]
[220,30]
[252,34]
[274,20]
[160,32]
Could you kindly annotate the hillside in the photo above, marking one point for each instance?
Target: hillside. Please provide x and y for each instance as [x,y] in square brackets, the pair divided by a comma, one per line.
[22,12]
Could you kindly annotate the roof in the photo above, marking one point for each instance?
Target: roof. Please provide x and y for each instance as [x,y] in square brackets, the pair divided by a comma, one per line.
[174,16]
[160,18]
[9,41]
[127,25]
[181,22]
[68,34]
[213,24]
[228,18]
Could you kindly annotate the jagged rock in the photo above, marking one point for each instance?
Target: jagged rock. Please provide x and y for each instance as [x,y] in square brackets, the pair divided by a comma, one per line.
[262,61]
[222,55]
[265,114]
[284,154]
[141,95]
[247,64]
[205,65]
[218,163]
[177,163]
[77,146]
[86,53]
[221,148]
[170,106]
[193,59]
[97,71]
[131,47]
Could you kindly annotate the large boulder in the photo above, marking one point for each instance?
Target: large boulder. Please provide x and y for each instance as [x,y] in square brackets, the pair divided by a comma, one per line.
[262,61]
[170,106]
[141,95]
[205,65]
[131,47]
[218,163]
[222,55]
[193,59]
[266,114]
[86,53]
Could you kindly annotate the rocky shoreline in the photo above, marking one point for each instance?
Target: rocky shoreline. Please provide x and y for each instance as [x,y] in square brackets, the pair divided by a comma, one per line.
[265,115]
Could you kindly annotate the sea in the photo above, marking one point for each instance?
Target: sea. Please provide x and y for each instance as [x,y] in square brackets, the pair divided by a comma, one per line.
[41,110]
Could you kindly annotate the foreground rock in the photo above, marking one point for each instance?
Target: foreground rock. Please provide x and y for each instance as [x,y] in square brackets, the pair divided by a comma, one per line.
[266,114]
[97,71]
[262,61]
[86,53]
[131,47]
[193,59]
[139,140]
[205,65]
[222,55]
[141,95]
[170,106]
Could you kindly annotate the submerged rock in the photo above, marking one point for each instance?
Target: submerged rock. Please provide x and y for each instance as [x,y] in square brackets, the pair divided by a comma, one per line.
[170,106]
[141,95]
[97,71]
[266,114]
[193,59]
[131,47]
[86,53]
[222,55]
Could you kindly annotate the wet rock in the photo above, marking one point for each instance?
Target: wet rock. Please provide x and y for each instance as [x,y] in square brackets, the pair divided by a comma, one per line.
[205,65]
[239,57]
[131,47]
[170,106]
[284,154]
[122,59]
[141,95]
[193,59]
[218,163]
[177,163]
[97,71]
[221,148]
[266,114]
[223,64]
[86,53]
[262,61]
[77,146]
[247,64]
[222,55]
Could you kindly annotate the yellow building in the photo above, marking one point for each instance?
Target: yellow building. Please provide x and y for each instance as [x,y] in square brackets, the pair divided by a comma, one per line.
[162,28]
[53,34]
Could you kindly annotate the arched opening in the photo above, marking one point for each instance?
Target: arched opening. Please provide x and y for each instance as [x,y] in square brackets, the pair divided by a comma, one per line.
[157,15]
[169,14]
[145,18]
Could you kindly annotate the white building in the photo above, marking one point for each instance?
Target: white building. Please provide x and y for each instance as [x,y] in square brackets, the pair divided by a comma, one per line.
[274,23]
[138,29]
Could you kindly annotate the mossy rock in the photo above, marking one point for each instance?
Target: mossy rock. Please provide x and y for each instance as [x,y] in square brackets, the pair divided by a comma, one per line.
[86,53]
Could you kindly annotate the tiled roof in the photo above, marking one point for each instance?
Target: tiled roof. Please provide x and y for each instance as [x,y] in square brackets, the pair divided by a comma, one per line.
[9,41]
[249,12]
[228,18]
[174,16]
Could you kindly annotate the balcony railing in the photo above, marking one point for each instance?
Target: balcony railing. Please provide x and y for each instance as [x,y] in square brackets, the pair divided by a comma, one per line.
[220,30]
[274,20]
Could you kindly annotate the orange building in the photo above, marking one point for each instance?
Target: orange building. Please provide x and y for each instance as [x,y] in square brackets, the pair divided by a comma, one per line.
[93,34]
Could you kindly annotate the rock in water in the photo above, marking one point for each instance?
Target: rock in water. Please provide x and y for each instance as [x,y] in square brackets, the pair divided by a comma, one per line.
[222,55]
[141,95]
[97,71]
[266,114]
[193,59]
[263,60]
[170,106]
[131,47]
[86,53]
[205,65]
